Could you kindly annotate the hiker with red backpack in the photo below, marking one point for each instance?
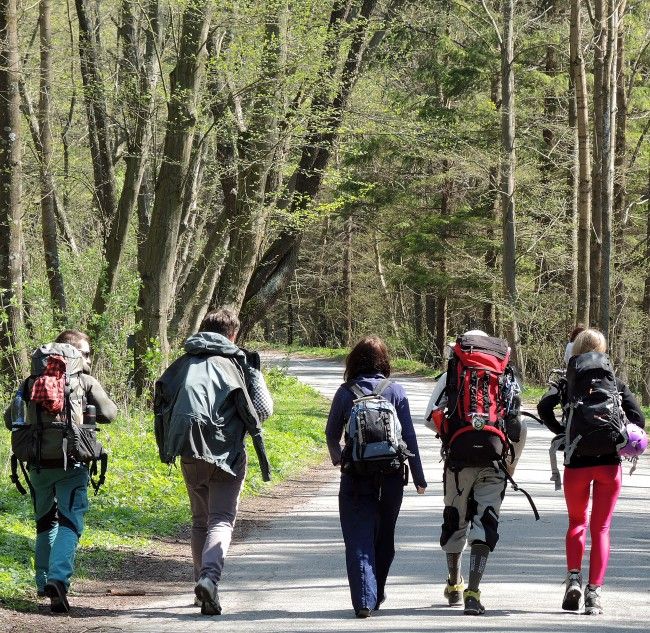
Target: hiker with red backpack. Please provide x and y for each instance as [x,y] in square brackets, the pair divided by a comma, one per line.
[475,412]
[601,421]
[372,414]
[53,439]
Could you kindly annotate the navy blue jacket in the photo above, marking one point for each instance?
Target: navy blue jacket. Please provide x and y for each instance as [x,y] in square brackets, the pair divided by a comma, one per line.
[340,412]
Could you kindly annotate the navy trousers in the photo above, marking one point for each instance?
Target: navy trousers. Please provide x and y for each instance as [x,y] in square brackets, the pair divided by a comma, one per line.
[369,508]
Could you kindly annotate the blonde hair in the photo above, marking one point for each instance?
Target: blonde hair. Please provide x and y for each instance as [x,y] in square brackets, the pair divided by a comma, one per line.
[589,340]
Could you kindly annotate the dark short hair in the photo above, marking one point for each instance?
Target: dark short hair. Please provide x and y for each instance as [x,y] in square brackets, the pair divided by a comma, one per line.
[222,321]
[368,356]
[72,337]
[580,327]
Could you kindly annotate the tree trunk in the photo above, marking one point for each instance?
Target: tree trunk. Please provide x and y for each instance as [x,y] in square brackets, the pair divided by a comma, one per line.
[600,98]
[584,159]
[96,112]
[13,359]
[608,151]
[646,305]
[48,216]
[379,269]
[620,203]
[347,280]
[574,185]
[142,105]
[550,100]
[162,240]
[508,180]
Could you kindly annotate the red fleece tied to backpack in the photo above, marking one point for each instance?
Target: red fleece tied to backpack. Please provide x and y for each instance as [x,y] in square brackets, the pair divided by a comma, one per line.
[49,387]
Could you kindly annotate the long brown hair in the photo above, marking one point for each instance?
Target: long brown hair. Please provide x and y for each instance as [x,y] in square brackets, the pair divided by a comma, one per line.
[368,356]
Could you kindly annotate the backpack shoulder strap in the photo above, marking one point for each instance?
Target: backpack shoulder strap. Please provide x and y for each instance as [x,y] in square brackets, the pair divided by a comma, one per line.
[356,390]
[381,387]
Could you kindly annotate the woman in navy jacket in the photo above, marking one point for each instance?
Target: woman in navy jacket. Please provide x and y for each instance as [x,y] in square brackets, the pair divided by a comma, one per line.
[369,505]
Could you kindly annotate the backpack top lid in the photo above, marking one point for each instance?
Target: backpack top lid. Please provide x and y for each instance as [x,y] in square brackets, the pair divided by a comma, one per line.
[587,371]
[71,355]
[482,351]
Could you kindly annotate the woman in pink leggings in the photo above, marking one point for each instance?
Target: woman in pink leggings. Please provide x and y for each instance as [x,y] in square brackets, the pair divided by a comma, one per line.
[585,476]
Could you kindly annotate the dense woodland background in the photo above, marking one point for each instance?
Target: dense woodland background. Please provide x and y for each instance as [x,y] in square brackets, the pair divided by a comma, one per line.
[328,168]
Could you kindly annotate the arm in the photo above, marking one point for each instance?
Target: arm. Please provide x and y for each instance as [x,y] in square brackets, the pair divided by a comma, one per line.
[408,435]
[545,410]
[260,395]
[436,395]
[633,411]
[95,395]
[339,412]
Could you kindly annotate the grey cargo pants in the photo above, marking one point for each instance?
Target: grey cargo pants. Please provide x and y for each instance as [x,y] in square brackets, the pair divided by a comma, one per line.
[473,494]
[214,499]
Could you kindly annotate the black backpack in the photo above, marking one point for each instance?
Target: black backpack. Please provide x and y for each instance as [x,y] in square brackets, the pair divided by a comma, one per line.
[593,416]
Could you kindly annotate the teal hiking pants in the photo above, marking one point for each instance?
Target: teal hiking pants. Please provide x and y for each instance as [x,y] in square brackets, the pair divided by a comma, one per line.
[60,504]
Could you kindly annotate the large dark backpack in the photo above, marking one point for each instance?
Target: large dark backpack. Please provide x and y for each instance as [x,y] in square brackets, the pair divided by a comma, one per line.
[481,391]
[40,438]
[593,415]
[373,434]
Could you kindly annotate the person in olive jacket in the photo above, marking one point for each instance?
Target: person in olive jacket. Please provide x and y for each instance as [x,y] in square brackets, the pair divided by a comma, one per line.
[369,505]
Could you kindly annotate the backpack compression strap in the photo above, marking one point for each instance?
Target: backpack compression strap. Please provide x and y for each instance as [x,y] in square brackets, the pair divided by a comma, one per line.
[516,488]
[14,475]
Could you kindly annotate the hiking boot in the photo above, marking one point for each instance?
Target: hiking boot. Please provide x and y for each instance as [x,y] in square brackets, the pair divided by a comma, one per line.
[573,591]
[206,592]
[363,612]
[454,593]
[57,593]
[197,601]
[473,604]
[592,600]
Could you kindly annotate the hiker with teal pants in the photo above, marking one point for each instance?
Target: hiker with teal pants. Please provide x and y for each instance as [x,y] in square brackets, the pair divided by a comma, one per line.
[52,419]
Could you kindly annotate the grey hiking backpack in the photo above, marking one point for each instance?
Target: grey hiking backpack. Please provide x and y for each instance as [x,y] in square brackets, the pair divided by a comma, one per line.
[373,434]
[40,437]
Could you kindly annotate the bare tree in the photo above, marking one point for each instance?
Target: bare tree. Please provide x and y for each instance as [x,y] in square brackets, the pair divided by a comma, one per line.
[507,185]
[11,252]
[48,202]
[584,158]
[157,267]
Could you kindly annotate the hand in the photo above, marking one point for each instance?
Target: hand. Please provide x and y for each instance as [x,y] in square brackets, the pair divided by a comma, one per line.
[420,490]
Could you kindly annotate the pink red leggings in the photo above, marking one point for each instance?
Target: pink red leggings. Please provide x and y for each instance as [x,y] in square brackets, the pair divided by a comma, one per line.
[577,485]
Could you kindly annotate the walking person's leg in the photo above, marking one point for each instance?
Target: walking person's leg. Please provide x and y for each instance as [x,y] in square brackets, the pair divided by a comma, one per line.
[46,517]
[71,490]
[577,487]
[606,489]
[488,493]
[453,535]
[390,502]
[196,474]
[358,512]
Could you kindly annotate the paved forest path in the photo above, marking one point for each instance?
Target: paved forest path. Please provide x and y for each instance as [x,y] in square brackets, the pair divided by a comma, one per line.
[289,574]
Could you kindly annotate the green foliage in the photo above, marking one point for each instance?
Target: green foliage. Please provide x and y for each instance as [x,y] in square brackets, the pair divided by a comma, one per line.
[144,499]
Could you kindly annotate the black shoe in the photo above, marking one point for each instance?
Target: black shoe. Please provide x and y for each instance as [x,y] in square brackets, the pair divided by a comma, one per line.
[473,604]
[363,613]
[55,590]
[206,592]
[571,601]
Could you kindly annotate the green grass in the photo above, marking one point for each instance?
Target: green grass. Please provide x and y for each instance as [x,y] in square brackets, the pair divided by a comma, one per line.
[143,498]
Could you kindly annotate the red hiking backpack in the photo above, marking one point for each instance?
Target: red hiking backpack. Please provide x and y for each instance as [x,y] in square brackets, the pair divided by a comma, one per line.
[480,389]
